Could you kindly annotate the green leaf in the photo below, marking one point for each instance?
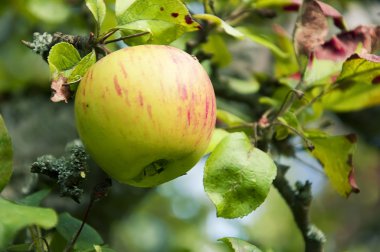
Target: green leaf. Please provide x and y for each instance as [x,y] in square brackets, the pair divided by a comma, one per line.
[238,176]
[244,86]
[67,67]
[52,11]
[81,68]
[272,3]
[239,245]
[68,226]
[217,136]
[289,119]
[98,10]
[336,154]
[62,56]
[64,60]
[6,155]
[284,66]
[20,247]
[263,41]
[228,118]
[35,199]
[358,85]
[103,249]
[216,46]
[165,20]
[220,23]
[15,217]
[322,72]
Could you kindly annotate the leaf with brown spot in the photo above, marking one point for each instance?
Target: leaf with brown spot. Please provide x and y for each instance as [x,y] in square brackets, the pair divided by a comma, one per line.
[60,90]
[336,155]
[164,20]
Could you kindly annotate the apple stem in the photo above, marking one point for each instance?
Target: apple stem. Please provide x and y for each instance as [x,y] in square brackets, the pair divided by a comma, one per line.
[126,37]
[108,34]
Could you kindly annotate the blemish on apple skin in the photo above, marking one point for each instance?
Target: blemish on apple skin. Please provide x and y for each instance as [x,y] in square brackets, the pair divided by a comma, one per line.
[188,20]
[188,117]
[84,106]
[149,109]
[141,99]
[184,92]
[179,112]
[123,70]
[162,9]
[207,107]
[117,86]
[91,73]
[126,96]
[84,91]
[212,112]
[174,14]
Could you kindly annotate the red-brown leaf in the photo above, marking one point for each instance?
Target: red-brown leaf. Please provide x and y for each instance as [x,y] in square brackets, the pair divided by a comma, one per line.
[60,90]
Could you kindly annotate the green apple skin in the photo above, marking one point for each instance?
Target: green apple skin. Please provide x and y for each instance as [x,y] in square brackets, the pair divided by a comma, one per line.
[146,113]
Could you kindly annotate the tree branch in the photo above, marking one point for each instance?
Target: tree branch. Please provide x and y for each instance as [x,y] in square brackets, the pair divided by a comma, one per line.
[299,201]
[42,43]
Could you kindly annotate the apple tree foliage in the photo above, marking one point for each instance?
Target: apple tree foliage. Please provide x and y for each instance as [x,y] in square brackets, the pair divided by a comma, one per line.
[313,74]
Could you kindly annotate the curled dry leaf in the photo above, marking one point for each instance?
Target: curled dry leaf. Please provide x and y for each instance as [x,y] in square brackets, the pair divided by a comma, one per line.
[343,45]
[312,27]
[60,90]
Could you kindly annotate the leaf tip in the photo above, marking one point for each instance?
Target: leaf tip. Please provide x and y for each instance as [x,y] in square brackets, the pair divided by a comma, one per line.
[354,186]
[352,138]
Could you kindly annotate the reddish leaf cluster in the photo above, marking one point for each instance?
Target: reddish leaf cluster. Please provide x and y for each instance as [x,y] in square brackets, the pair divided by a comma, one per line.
[312,29]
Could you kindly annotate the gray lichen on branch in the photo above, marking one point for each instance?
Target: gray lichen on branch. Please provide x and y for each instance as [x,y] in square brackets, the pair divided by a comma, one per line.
[69,171]
[42,43]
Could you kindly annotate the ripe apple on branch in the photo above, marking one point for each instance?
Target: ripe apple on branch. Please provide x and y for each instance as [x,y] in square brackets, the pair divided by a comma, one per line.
[146,113]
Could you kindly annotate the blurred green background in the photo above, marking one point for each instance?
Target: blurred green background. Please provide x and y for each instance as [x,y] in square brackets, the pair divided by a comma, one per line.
[176,216]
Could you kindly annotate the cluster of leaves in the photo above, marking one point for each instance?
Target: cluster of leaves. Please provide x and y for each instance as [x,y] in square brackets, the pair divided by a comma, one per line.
[258,114]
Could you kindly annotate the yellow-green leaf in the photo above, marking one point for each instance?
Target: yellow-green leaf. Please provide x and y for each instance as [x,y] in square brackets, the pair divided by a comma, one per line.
[222,24]
[216,46]
[98,9]
[165,20]
[6,155]
[358,85]
[336,155]
[229,119]
[239,245]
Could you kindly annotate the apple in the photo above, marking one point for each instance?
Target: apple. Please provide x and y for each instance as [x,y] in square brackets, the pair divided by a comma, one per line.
[146,113]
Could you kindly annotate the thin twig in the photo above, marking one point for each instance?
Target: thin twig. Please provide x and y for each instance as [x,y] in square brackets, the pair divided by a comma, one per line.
[36,238]
[108,34]
[309,145]
[316,98]
[70,246]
